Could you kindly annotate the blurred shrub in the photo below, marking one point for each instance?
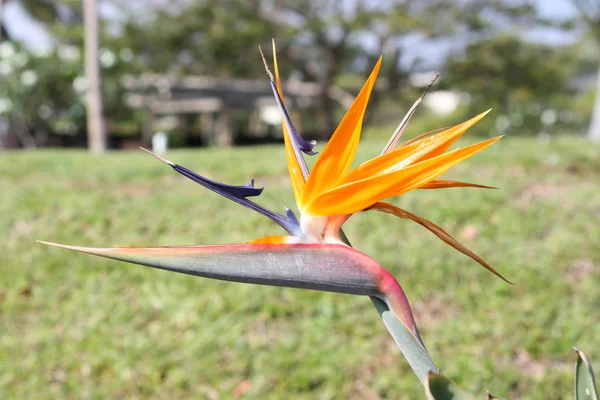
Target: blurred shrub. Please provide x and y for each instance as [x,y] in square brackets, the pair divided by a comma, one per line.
[42,97]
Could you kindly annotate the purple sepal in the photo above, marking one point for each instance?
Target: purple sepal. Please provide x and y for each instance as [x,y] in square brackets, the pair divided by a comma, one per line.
[238,194]
[298,141]
[290,216]
[221,188]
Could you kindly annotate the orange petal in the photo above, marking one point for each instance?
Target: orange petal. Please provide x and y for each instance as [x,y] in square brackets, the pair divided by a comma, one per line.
[338,154]
[295,170]
[272,240]
[443,184]
[436,230]
[355,196]
[438,167]
[276,68]
[423,135]
[450,136]
[411,154]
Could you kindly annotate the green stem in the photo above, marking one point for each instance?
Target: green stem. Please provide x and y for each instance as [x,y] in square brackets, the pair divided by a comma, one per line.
[417,356]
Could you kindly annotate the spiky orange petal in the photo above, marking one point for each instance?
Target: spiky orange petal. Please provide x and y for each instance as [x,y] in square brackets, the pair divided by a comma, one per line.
[424,135]
[406,155]
[355,196]
[297,177]
[435,171]
[338,154]
[444,184]
[451,135]
[436,230]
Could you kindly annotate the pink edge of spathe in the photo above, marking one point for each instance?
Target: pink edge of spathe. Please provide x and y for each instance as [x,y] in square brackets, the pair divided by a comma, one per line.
[390,290]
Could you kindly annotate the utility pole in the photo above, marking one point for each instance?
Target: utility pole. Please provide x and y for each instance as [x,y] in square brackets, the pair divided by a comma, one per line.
[594,129]
[95,122]
[0,20]
[589,11]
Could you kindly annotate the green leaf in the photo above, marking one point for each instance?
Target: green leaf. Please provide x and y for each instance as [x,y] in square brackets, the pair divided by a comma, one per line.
[438,387]
[585,382]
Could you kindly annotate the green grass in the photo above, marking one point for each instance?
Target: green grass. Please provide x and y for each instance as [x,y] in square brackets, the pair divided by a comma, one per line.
[75,326]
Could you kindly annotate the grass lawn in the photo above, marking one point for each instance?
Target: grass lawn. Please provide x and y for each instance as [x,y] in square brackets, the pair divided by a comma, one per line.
[74,326]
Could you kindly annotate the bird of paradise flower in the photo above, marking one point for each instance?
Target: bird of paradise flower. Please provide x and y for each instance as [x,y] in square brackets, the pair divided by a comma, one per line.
[315,254]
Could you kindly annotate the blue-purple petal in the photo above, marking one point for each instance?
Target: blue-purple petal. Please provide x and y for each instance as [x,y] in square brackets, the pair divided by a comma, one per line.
[298,141]
[221,188]
[238,194]
[290,216]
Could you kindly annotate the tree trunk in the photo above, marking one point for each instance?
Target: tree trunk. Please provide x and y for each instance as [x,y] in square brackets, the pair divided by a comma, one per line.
[594,129]
[223,135]
[326,115]
[1,24]
[95,123]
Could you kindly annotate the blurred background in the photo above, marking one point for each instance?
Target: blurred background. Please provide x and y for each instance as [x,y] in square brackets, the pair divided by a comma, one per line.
[191,69]
[187,75]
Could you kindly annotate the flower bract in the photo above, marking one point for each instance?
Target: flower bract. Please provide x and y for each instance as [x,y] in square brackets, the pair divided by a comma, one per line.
[312,255]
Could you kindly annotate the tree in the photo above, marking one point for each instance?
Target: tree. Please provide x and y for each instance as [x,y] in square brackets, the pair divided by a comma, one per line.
[324,40]
[54,14]
[320,41]
[60,85]
[210,37]
[330,43]
[589,11]
[512,76]
[1,25]
[51,111]
[329,39]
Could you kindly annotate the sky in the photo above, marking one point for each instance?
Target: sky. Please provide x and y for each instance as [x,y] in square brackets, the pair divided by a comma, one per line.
[33,34]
